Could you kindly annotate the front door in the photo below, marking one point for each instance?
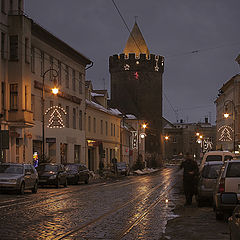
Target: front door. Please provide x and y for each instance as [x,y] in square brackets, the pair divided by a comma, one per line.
[91,159]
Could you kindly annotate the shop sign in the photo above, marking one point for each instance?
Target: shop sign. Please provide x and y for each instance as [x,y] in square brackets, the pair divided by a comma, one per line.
[50,140]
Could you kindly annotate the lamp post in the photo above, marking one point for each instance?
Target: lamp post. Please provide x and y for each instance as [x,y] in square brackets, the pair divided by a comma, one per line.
[200,140]
[141,135]
[54,91]
[166,138]
[226,115]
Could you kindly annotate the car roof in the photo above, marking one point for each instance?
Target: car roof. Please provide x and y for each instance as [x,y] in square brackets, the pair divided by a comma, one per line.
[17,164]
[234,160]
[214,163]
[77,164]
[57,164]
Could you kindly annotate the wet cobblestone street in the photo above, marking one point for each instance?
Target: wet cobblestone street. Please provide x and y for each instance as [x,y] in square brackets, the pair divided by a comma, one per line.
[132,207]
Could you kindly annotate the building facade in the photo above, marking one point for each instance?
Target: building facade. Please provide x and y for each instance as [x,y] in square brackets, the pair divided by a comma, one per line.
[136,87]
[36,61]
[193,138]
[228,101]
[103,135]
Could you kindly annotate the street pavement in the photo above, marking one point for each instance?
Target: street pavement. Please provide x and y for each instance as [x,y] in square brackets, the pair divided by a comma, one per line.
[134,207]
[194,223]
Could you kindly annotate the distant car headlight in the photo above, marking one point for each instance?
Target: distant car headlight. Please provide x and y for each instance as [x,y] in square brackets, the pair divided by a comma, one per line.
[53,176]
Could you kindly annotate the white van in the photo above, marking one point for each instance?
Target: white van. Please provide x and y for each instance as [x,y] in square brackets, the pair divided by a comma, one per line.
[216,156]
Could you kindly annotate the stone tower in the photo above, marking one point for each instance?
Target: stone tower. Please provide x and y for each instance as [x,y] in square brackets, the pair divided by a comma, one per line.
[136,86]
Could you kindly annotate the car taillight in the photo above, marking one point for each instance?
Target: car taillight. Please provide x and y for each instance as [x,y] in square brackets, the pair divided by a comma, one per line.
[221,185]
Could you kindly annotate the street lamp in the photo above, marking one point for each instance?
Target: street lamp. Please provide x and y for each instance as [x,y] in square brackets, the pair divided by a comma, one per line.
[54,91]
[141,135]
[226,115]
[166,138]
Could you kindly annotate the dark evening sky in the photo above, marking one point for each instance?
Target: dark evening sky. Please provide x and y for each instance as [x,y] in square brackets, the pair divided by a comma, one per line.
[199,39]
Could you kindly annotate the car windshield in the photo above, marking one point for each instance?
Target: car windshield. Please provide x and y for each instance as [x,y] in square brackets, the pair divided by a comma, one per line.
[233,169]
[71,167]
[47,168]
[211,171]
[14,169]
[211,158]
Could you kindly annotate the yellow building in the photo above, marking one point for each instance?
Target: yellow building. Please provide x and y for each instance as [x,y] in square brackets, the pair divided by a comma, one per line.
[102,129]
[33,62]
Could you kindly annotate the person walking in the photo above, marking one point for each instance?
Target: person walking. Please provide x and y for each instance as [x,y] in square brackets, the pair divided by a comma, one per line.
[190,178]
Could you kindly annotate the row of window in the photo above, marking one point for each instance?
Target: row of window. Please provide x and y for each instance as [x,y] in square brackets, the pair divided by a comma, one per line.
[14,106]
[64,71]
[3,5]
[39,59]
[93,122]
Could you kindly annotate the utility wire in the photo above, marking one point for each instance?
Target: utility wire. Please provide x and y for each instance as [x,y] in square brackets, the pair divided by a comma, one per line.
[174,110]
[203,50]
[126,25]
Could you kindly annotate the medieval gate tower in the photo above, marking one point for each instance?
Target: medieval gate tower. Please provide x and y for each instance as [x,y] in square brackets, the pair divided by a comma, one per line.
[136,87]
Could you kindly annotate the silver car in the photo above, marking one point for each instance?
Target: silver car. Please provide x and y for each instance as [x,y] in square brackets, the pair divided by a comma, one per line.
[228,181]
[207,181]
[19,177]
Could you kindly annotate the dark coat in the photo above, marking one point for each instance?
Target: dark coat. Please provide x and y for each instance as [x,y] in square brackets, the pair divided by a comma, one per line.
[190,176]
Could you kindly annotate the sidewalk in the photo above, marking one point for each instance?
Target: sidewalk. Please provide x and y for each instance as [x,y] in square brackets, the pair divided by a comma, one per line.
[193,223]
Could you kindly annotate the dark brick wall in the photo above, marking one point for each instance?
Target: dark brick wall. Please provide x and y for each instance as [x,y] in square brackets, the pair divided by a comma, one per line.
[136,88]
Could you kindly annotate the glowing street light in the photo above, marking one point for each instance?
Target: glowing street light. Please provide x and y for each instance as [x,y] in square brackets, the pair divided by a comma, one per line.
[54,91]
[226,115]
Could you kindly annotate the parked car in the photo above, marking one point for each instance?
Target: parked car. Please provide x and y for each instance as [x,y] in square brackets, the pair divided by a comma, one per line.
[52,174]
[216,156]
[207,181]
[77,173]
[20,177]
[228,181]
[122,168]
[234,220]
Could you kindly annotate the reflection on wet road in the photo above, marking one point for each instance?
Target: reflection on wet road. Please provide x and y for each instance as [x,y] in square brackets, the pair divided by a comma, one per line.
[131,208]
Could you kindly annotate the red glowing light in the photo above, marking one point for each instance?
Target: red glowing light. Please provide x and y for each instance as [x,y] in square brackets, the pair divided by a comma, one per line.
[136,75]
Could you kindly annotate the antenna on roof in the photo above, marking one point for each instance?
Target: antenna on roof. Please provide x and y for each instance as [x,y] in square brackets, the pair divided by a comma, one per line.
[135,18]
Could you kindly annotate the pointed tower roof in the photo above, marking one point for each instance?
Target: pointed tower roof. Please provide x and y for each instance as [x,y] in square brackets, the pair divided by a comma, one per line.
[136,43]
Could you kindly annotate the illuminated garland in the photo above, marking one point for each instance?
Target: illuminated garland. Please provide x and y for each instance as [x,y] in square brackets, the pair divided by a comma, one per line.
[225,132]
[55,120]
[126,67]
[156,66]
